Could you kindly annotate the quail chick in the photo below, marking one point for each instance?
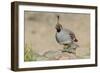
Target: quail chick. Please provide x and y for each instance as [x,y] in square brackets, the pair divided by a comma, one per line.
[65,37]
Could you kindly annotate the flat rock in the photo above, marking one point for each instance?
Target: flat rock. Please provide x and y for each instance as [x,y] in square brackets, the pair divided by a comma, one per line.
[53,55]
[59,55]
[67,56]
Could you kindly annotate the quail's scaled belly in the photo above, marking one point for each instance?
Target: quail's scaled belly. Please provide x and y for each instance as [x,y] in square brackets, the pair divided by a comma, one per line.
[64,37]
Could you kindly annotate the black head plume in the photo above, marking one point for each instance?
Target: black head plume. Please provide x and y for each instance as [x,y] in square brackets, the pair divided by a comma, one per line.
[57,19]
[58,25]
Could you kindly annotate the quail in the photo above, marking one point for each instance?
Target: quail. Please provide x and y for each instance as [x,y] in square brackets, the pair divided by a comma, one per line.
[65,37]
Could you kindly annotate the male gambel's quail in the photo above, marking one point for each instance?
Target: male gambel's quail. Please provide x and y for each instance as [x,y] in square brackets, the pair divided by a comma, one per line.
[65,37]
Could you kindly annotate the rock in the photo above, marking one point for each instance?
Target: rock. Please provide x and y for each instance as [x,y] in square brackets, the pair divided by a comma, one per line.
[67,56]
[59,55]
[53,55]
[41,58]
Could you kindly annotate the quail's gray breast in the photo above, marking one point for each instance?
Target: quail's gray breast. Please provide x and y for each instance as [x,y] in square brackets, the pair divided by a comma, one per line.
[63,37]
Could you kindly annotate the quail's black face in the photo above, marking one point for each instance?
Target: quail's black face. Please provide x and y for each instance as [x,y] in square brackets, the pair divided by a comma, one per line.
[58,27]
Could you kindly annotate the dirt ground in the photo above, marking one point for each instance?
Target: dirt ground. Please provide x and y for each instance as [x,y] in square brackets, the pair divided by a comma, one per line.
[40,31]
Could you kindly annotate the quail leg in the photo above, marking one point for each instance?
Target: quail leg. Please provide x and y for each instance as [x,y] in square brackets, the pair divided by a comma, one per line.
[66,48]
[70,48]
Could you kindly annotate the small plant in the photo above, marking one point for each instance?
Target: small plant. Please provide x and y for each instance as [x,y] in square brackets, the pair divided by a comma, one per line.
[28,56]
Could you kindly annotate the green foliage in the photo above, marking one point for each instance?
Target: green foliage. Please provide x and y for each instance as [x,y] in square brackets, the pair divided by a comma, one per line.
[28,53]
